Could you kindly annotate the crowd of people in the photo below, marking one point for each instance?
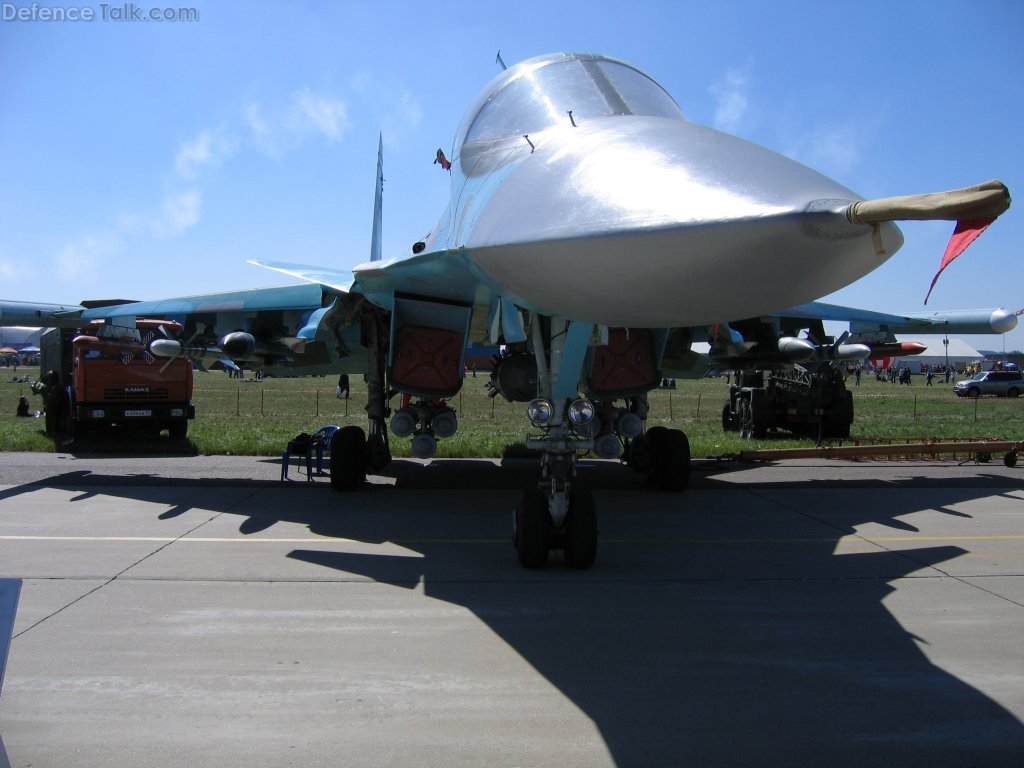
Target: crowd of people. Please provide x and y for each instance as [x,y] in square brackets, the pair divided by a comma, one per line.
[900,374]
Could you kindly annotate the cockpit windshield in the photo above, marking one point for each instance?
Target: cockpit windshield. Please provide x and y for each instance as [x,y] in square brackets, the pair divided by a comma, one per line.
[587,86]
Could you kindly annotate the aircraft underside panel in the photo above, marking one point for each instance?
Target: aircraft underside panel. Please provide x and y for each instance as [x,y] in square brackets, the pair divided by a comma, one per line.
[626,365]
[428,343]
[427,361]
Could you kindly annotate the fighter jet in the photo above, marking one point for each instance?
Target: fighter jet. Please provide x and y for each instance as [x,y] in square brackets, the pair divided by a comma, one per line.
[591,231]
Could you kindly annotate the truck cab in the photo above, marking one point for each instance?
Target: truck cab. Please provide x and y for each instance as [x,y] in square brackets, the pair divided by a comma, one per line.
[108,377]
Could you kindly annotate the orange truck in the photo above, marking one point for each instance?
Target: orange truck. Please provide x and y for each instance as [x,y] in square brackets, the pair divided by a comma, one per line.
[102,375]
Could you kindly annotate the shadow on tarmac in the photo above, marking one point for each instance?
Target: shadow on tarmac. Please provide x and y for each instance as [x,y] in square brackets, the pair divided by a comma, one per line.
[708,643]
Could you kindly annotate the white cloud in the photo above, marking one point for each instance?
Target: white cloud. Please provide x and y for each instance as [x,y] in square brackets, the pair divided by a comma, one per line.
[307,115]
[208,149]
[325,114]
[265,138]
[730,96]
[179,212]
[82,261]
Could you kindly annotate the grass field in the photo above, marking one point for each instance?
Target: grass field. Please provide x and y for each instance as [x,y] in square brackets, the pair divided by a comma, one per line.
[259,418]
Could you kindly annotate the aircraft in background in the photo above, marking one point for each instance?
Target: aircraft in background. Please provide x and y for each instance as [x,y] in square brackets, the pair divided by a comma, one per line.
[593,233]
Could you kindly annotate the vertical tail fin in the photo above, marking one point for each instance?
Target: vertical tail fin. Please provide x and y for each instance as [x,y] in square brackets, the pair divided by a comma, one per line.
[378,204]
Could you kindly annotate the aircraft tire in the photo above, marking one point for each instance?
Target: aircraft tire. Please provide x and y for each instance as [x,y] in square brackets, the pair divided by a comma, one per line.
[656,438]
[532,529]
[348,458]
[581,531]
[676,473]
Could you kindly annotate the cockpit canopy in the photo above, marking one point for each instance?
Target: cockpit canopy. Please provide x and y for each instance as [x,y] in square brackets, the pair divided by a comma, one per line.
[540,93]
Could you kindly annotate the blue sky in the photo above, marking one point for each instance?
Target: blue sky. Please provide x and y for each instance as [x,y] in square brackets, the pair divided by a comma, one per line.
[151,159]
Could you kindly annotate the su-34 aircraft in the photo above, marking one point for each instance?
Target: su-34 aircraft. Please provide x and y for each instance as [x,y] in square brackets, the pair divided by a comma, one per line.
[593,233]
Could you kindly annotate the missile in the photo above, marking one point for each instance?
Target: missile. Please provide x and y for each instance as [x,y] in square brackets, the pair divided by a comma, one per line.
[201,355]
[796,350]
[799,350]
[851,352]
[897,349]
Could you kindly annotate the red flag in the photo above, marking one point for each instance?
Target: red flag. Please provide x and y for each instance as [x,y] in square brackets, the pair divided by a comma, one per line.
[966,232]
[440,158]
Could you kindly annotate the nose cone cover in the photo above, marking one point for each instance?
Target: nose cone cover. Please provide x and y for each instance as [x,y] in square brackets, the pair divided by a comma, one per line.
[647,221]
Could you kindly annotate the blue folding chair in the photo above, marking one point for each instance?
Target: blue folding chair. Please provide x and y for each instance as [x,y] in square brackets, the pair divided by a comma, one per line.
[305,445]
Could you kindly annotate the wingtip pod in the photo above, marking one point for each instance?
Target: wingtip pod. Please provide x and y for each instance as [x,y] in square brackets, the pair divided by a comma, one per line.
[1003,320]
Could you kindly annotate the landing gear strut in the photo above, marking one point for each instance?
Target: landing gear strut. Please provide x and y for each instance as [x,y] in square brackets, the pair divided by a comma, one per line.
[555,515]
[353,453]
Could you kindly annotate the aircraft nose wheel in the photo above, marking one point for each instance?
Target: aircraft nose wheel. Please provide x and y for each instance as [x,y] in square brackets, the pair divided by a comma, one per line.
[580,545]
[531,529]
[534,535]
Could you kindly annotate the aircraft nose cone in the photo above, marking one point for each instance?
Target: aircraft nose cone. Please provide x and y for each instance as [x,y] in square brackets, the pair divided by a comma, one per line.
[661,222]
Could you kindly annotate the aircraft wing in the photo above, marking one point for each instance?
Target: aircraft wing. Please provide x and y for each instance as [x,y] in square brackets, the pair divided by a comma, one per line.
[32,314]
[797,335]
[942,321]
[302,297]
[279,330]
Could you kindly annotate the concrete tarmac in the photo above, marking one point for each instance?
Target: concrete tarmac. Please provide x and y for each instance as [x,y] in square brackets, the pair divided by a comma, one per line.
[195,610]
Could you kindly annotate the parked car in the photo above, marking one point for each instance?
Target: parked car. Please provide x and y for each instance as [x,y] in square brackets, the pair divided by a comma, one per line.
[1001,383]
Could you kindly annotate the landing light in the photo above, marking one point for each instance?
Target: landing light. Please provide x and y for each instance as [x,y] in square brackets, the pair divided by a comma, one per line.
[540,411]
[581,412]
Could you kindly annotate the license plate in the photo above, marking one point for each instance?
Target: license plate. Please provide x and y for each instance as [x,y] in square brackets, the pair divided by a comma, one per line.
[138,413]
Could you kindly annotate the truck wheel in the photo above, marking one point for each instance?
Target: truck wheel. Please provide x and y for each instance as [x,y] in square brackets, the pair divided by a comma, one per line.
[728,419]
[178,430]
[53,404]
[743,417]
[67,421]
